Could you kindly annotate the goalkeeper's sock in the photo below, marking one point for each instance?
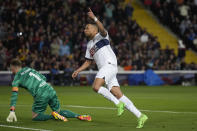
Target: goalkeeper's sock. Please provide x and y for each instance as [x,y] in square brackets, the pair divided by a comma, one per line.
[68,114]
[107,94]
[42,117]
[130,106]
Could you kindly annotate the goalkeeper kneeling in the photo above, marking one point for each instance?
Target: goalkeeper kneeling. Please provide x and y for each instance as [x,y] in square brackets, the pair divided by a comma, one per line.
[42,92]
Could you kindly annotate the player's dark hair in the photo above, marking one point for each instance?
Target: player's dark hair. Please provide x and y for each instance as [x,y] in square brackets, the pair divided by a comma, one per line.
[16,62]
[91,22]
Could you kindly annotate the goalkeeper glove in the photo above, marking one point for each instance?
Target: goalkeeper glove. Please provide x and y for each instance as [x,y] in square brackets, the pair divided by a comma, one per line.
[11,117]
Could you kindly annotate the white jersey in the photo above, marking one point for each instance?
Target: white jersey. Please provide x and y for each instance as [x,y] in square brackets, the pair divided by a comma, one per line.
[99,50]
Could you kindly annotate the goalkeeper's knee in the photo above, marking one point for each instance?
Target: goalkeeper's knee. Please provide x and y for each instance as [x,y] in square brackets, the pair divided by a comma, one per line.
[42,117]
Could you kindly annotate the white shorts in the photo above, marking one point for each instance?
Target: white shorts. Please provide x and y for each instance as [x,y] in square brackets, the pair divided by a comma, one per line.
[108,73]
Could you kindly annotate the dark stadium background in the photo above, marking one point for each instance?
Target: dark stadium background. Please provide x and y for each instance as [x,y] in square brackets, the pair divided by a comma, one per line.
[48,35]
[155,42]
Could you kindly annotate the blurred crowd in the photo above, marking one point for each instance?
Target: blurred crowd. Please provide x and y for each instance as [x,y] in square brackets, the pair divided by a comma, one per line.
[48,35]
[180,16]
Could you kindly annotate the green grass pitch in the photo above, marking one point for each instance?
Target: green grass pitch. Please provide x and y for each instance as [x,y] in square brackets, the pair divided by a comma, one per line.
[170,108]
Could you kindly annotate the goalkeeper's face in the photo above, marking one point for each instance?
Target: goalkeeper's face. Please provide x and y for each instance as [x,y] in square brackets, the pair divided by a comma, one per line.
[90,30]
[14,69]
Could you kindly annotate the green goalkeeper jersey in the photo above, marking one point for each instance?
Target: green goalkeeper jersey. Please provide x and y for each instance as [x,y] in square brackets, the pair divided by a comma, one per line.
[30,80]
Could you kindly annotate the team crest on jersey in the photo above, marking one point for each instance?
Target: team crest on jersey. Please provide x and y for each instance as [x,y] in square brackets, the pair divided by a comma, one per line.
[98,46]
[93,50]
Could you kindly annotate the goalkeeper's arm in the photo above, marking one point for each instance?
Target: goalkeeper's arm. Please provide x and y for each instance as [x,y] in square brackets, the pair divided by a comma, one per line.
[12,117]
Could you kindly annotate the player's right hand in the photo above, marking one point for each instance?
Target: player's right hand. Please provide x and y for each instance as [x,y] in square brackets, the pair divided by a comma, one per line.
[75,73]
[91,14]
[11,117]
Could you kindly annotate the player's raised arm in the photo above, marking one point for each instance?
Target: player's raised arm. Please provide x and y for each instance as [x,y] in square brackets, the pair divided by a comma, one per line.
[99,24]
[85,65]
[12,117]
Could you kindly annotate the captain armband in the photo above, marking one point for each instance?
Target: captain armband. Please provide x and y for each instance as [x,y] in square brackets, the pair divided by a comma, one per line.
[15,89]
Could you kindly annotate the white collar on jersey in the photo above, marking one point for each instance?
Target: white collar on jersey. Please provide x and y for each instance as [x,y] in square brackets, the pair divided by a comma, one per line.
[95,37]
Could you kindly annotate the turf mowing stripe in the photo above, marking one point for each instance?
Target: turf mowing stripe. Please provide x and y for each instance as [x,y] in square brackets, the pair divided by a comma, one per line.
[24,128]
[111,108]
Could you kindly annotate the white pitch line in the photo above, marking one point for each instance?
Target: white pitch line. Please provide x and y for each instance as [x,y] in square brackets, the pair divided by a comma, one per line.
[90,107]
[17,122]
[172,112]
[24,128]
[111,108]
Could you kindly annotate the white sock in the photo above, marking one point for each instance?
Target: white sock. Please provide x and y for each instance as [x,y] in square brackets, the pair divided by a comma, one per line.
[130,106]
[107,94]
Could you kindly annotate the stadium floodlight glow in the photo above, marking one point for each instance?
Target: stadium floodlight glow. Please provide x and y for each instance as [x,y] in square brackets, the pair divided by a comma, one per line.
[19,34]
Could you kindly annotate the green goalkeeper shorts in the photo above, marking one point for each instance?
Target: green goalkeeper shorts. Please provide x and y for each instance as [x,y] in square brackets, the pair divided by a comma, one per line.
[45,95]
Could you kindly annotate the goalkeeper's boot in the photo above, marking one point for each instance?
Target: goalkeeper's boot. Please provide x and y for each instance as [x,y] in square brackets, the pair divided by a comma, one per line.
[85,117]
[143,118]
[120,106]
[58,116]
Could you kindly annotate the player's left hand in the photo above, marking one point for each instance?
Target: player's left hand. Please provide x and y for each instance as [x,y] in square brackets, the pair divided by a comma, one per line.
[75,73]
[11,117]
[91,14]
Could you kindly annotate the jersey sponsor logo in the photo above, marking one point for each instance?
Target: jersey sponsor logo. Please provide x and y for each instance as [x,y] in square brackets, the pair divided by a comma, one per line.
[98,46]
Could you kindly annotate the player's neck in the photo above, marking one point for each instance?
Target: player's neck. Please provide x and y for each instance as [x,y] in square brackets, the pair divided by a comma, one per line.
[92,37]
[18,69]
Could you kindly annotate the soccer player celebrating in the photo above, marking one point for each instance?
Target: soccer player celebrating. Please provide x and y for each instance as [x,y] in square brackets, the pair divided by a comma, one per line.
[99,50]
[43,93]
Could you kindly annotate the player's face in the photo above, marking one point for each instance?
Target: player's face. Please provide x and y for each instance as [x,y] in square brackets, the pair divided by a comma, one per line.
[89,30]
[13,69]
